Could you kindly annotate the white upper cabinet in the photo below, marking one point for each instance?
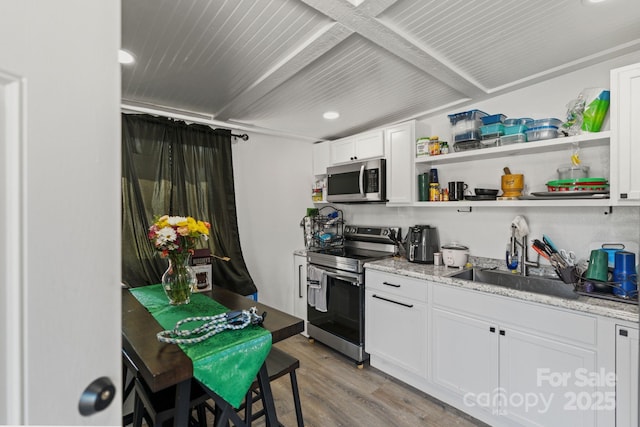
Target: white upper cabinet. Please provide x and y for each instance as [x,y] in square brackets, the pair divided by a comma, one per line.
[399,143]
[368,145]
[321,158]
[625,134]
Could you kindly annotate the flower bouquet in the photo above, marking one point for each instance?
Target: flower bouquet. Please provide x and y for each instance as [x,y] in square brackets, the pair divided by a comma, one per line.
[175,237]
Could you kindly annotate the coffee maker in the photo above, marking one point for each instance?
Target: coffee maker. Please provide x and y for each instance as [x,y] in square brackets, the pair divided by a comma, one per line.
[421,243]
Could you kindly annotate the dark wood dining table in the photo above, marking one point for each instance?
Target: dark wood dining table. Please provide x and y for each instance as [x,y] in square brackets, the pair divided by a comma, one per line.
[163,365]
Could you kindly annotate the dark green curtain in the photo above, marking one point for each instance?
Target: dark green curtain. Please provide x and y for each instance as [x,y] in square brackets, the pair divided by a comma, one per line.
[170,167]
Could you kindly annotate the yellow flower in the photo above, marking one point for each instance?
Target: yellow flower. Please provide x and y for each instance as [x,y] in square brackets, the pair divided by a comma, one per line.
[203,227]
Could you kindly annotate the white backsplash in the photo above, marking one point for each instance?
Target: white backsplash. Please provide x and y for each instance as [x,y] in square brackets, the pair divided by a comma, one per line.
[486,231]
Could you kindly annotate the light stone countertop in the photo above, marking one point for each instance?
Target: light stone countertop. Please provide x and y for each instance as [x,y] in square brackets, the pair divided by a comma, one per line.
[440,274]
[301,252]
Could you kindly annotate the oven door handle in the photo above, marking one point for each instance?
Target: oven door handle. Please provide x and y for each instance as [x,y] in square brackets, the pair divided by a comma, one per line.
[362,180]
[352,280]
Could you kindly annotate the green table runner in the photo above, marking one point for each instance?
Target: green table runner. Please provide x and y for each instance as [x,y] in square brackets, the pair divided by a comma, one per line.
[227,362]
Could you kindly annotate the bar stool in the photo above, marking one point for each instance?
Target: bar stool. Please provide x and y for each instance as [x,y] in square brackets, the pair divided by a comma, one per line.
[159,407]
[278,364]
[155,408]
[129,373]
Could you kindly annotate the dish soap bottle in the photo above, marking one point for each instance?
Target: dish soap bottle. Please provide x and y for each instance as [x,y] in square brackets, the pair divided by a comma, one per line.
[511,257]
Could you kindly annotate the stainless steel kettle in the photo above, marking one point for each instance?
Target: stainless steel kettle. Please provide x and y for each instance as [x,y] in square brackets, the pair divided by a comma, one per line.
[421,243]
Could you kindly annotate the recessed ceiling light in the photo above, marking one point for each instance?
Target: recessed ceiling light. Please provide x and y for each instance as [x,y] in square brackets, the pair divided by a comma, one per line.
[331,115]
[125,57]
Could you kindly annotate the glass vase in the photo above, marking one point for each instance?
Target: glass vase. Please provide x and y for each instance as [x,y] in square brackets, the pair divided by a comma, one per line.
[179,280]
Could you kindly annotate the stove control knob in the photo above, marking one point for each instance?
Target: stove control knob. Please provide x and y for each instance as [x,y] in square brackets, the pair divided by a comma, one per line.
[385,232]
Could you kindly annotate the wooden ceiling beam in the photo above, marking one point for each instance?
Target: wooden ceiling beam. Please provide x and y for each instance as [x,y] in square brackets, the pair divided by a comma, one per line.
[313,48]
[363,21]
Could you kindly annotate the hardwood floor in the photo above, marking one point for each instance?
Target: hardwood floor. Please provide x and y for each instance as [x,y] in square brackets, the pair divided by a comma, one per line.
[334,392]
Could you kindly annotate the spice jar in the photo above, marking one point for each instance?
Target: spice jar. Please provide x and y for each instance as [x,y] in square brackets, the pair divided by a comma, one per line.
[434,146]
[434,192]
[444,147]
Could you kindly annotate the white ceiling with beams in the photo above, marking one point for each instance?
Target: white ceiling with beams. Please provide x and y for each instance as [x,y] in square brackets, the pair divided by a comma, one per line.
[277,65]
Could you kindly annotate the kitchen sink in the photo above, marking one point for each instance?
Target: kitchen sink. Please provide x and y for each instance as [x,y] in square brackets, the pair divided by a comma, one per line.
[535,284]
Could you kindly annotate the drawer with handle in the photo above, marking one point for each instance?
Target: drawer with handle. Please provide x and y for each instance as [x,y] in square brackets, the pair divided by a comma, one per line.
[394,284]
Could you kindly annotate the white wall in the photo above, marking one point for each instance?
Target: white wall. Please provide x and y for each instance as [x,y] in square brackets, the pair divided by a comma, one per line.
[487,230]
[273,181]
[273,189]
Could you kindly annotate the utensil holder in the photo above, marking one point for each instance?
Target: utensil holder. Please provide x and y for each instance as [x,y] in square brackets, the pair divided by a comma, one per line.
[568,275]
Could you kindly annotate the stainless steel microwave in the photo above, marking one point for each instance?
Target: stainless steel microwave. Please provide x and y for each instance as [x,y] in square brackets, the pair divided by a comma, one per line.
[357,182]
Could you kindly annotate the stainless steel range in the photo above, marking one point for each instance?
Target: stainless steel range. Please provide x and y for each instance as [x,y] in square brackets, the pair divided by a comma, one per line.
[336,287]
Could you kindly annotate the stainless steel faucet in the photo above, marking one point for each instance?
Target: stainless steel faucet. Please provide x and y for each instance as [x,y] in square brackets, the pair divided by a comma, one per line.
[523,262]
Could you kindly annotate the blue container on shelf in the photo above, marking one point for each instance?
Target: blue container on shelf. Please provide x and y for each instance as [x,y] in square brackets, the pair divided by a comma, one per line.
[514,129]
[513,139]
[494,118]
[542,132]
[467,115]
[496,129]
[518,121]
[545,123]
[472,135]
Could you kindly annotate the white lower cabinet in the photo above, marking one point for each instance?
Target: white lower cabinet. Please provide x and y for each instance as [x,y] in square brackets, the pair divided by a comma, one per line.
[542,381]
[464,356]
[502,360]
[626,376]
[510,373]
[300,289]
[513,359]
[396,322]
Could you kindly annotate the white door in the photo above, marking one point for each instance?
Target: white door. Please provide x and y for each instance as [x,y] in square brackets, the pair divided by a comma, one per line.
[627,376]
[369,145]
[399,141]
[60,193]
[625,130]
[546,382]
[395,330]
[465,357]
[342,151]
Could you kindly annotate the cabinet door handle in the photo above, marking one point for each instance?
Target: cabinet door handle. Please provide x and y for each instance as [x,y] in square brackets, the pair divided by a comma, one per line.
[624,332]
[391,284]
[392,301]
[300,281]
[502,332]
[492,329]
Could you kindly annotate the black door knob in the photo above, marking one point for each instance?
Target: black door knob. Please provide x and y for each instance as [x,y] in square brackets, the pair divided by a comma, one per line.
[97,396]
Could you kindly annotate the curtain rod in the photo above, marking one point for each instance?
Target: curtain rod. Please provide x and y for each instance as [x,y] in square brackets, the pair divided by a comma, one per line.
[243,137]
[209,122]
[184,117]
